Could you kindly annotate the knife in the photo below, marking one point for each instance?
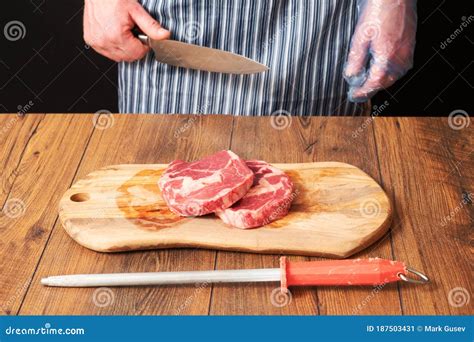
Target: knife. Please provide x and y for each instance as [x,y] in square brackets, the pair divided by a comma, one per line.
[197,57]
[372,271]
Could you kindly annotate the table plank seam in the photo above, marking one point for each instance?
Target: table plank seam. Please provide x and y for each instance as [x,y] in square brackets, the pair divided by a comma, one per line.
[54,225]
[231,132]
[310,146]
[392,249]
[216,253]
[211,295]
[20,160]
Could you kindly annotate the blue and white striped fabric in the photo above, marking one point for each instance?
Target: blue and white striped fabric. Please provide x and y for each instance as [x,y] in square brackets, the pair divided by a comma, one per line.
[304,42]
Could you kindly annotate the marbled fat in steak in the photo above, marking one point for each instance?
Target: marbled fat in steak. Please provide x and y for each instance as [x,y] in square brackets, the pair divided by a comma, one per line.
[204,186]
[268,200]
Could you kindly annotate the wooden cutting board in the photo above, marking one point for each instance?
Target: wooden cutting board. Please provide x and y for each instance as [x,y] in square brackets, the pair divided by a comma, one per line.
[337,210]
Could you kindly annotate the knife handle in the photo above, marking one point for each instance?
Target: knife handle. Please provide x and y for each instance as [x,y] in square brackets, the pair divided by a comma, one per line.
[372,271]
[140,35]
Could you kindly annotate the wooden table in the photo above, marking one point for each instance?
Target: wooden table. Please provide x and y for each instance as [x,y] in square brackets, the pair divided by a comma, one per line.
[424,165]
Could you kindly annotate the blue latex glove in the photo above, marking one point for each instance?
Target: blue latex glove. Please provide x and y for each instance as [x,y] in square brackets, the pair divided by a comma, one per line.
[384,39]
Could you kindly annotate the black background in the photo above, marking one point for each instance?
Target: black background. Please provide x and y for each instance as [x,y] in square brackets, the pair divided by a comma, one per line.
[52,67]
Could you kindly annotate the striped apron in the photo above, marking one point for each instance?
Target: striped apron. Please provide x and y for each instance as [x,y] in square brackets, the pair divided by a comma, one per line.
[303,42]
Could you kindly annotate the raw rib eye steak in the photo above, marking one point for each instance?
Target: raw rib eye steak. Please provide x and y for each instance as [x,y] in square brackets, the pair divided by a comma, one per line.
[204,186]
[268,200]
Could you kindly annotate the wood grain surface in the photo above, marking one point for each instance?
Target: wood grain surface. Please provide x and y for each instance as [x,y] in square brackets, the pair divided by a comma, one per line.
[337,210]
[423,164]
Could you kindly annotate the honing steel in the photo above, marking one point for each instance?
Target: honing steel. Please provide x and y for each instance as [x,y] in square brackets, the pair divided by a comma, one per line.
[372,271]
[197,57]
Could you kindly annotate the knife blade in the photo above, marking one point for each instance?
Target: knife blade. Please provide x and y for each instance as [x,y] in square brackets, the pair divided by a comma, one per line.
[197,57]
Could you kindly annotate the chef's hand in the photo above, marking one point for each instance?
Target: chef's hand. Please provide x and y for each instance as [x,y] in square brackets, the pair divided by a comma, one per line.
[108,25]
[384,36]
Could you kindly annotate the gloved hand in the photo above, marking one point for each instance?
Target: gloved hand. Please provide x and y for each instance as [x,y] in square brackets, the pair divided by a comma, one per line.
[108,25]
[384,38]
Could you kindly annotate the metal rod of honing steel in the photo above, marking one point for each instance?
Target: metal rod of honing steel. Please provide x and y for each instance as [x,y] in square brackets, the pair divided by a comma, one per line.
[163,278]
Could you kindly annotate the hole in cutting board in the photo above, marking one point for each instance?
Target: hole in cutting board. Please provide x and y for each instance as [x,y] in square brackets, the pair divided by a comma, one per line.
[81,197]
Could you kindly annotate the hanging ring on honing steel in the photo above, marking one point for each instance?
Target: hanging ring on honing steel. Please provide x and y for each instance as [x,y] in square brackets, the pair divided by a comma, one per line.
[423,278]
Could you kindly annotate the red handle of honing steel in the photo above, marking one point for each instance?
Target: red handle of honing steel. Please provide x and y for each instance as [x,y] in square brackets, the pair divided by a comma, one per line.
[373,271]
